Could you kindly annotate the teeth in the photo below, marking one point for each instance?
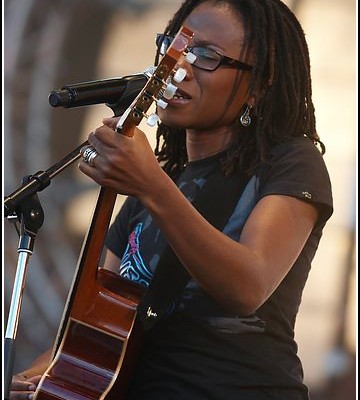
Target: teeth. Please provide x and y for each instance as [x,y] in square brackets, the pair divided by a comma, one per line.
[179,96]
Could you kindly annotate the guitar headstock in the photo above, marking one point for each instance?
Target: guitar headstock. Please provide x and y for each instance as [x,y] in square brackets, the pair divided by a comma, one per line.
[156,85]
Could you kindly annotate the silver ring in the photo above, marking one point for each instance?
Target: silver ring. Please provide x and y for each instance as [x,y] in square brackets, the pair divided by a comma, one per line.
[89,153]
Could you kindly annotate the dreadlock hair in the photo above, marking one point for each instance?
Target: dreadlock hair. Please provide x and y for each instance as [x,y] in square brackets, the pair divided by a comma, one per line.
[280,83]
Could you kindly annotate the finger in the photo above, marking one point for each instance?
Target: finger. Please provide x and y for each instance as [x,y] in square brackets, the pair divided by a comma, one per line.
[22,389]
[111,122]
[103,136]
[21,382]
[22,386]
[94,171]
[21,395]
[98,142]
[89,169]
[35,379]
[88,154]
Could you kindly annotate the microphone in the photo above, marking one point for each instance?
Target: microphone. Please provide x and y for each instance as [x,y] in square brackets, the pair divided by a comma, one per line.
[109,91]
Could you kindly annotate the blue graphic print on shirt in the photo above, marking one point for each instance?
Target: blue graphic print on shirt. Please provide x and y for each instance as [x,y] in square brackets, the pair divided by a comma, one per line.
[132,264]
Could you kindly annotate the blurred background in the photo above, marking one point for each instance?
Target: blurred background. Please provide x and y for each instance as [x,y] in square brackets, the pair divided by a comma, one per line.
[48,44]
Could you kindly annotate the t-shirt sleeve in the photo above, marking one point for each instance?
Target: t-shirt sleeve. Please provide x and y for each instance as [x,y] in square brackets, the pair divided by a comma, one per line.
[117,237]
[298,169]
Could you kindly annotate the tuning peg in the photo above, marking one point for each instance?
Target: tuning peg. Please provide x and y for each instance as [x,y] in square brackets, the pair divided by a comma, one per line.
[190,57]
[152,120]
[179,75]
[161,103]
[169,91]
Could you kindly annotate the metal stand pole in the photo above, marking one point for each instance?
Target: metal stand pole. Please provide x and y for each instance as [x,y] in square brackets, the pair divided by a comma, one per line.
[25,249]
[31,217]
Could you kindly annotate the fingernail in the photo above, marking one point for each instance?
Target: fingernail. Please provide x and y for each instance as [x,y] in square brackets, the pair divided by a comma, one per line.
[32,387]
[30,396]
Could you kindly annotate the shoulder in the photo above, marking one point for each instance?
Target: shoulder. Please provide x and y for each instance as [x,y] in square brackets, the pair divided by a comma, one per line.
[297,168]
[296,150]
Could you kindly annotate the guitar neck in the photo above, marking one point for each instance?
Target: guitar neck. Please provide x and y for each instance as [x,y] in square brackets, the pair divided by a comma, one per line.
[98,333]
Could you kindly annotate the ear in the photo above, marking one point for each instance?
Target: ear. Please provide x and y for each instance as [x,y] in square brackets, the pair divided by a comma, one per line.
[254,98]
[250,102]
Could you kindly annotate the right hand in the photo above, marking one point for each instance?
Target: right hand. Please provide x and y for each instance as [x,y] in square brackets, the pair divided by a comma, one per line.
[124,163]
[22,387]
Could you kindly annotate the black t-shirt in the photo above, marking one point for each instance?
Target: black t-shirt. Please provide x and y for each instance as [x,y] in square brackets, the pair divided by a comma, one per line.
[202,351]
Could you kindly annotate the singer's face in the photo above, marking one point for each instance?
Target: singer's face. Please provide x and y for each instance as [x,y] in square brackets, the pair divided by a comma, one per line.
[205,99]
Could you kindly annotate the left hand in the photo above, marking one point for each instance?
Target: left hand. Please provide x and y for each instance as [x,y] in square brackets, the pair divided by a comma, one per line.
[124,163]
[23,387]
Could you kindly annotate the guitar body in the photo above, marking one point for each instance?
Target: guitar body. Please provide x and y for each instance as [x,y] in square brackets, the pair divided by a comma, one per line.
[100,336]
[93,352]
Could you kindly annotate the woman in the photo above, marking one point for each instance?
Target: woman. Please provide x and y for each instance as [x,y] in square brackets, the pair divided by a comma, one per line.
[244,109]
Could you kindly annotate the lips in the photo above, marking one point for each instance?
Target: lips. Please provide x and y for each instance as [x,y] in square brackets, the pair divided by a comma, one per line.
[180,98]
[181,95]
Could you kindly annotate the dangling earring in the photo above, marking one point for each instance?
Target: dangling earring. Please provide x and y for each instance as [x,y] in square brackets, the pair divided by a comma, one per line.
[245,119]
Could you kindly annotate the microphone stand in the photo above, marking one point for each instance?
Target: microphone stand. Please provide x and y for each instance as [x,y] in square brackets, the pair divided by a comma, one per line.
[23,204]
[31,219]
[38,182]
[41,179]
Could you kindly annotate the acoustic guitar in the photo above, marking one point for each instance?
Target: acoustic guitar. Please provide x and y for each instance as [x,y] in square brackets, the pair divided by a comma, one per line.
[100,336]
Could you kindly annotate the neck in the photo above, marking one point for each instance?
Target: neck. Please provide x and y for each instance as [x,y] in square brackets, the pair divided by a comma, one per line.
[203,144]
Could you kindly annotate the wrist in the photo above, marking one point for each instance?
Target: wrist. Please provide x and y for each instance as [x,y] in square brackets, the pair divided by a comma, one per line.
[157,192]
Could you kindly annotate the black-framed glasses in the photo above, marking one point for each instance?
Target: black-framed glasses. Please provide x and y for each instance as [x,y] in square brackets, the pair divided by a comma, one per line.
[206,59]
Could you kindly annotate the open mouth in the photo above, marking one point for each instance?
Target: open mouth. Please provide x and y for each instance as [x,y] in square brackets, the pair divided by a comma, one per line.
[180,95]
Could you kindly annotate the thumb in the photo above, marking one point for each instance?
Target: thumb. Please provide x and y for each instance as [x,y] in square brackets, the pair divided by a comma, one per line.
[35,379]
